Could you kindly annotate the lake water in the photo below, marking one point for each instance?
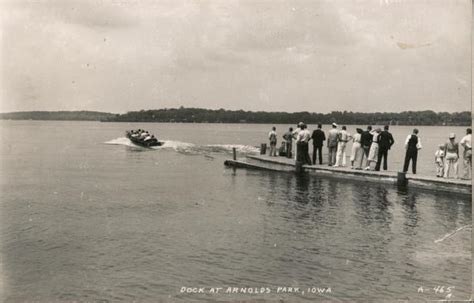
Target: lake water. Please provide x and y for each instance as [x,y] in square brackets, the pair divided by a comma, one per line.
[87,216]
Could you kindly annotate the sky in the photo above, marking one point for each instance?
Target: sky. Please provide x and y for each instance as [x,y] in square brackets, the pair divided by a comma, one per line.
[312,55]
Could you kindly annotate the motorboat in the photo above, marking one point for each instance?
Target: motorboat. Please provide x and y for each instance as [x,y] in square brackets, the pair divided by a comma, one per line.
[146,141]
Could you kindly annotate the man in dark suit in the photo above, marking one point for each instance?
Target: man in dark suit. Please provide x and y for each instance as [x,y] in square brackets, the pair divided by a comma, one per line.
[366,142]
[385,140]
[318,137]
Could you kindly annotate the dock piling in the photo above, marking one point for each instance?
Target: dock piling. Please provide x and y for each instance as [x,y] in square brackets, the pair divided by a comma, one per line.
[234,153]
[299,167]
[263,149]
[402,179]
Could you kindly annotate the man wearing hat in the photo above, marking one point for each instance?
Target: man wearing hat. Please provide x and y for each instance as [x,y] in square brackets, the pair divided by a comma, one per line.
[302,142]
[332,144]
[451,149]
[295,137]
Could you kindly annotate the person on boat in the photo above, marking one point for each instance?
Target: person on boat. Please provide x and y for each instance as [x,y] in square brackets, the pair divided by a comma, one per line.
[343,138]
[295,136]
[134,133]
[386,141]
[302,142]
[412,145]
[149,137]
[318,137]
[467,154]
[357,152]
[451,149]
[365,142]
[288,137]
[144,134]
[374,148]
[272,136]
[332,144]
[439,161]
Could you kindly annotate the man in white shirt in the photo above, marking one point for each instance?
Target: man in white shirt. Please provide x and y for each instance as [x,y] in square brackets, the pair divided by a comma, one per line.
[295,136]
[272,137]
[412,145]
[302,142]
[467,154]
[343,138]
[332,144]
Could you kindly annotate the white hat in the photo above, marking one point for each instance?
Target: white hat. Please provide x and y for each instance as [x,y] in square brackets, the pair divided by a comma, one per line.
[334,124]
[301,123]
[452,136]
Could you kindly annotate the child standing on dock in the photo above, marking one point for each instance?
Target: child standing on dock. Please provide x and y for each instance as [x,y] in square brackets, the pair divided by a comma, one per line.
[439,161]
[272,136]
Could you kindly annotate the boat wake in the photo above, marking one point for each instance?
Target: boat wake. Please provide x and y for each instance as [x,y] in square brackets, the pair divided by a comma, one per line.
[190,148]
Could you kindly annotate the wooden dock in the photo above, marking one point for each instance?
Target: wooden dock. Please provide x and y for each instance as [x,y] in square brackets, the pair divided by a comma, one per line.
[283,164]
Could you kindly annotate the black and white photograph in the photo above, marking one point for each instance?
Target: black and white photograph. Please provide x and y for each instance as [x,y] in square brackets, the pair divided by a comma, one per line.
[236,151]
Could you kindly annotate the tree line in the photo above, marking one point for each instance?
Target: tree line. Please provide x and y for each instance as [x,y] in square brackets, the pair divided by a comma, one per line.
[57,115]
[201,115]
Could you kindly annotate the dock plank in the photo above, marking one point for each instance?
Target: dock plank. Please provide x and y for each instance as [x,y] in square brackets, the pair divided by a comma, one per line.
[284,164]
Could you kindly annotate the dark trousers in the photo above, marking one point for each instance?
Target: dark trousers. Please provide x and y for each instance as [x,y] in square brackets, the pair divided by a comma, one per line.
[410,155]
[365,153]
[383,153]
[318,150]
[289,153]
[302,154]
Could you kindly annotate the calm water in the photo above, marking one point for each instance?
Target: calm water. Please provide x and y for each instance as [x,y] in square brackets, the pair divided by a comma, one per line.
[85,216]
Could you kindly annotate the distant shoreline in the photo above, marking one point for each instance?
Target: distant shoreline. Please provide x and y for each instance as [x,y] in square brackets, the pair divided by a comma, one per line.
[199,115]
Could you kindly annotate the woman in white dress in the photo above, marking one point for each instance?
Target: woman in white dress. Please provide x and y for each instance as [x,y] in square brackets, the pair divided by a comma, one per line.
[374,148]
[356,151]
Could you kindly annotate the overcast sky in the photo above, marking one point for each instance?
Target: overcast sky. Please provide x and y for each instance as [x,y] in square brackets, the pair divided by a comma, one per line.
[317,56]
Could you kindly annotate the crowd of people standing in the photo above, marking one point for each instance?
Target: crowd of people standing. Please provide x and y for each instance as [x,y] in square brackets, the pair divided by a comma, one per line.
[370,149]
